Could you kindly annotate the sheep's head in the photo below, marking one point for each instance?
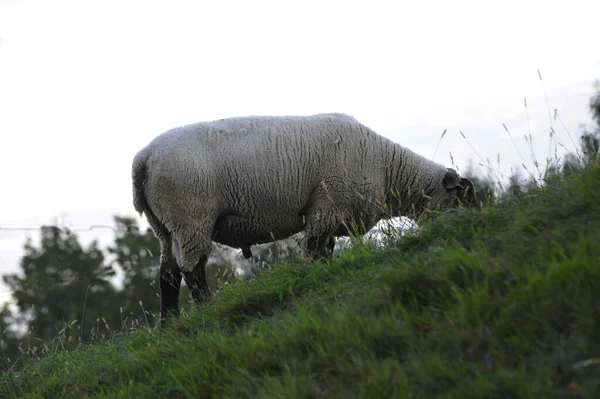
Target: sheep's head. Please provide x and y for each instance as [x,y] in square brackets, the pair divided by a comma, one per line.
[451,192]
[463,189]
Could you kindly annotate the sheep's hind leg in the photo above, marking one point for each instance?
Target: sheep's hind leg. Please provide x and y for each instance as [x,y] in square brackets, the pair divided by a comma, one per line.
[196,282]
[194,256]
[169,283]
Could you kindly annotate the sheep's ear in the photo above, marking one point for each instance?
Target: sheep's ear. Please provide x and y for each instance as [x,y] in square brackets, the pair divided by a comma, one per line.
[467,196]
[451,180]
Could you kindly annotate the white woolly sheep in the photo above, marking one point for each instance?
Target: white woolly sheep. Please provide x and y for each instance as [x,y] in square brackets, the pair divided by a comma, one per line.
[249,180]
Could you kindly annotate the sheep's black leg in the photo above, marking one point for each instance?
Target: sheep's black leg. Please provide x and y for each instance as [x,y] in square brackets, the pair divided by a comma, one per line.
[169,282]
[246,252]
[320,247]
[196,282]
[330,244]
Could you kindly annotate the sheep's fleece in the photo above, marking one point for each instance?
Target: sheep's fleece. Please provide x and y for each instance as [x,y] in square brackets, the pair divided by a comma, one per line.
[248,180]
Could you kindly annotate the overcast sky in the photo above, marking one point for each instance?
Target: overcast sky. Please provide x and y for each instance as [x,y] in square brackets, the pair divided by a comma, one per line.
[84,85]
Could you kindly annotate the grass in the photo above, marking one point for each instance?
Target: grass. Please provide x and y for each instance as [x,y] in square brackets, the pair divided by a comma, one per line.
[494,304]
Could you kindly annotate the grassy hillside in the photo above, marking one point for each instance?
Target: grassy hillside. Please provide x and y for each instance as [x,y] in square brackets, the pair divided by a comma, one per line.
[498,304]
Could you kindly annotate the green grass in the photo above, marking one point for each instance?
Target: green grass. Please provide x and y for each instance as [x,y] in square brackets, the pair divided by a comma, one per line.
[495,304]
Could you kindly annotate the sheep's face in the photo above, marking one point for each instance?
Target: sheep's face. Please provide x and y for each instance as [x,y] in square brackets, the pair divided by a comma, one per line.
[451,192]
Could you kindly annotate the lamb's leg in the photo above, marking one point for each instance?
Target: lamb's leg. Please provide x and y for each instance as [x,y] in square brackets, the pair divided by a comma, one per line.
[169,283]
[196,282]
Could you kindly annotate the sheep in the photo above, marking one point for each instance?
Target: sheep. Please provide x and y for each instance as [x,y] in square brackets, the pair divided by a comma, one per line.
[243,181]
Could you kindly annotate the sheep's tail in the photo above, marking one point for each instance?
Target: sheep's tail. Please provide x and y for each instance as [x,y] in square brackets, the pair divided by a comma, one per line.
[138,174]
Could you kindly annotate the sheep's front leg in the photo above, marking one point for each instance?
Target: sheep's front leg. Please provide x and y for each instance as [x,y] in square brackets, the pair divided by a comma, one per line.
[322,220]
[320,246]
[330,245]
[170,283]
[196,282]
[319,232]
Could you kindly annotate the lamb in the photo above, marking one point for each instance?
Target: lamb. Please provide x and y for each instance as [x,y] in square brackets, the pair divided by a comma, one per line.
[244,181]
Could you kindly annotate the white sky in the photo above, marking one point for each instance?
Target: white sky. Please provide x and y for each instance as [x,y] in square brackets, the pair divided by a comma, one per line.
[84,85]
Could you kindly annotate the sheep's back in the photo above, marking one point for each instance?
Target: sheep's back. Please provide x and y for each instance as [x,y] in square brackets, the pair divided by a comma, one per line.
[263,170]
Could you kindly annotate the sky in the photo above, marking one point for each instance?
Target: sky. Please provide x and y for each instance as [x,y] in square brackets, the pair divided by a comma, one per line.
[84,85]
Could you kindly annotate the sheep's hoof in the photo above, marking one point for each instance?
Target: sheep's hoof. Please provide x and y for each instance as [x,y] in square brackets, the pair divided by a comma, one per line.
[167,321]
[168,316]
